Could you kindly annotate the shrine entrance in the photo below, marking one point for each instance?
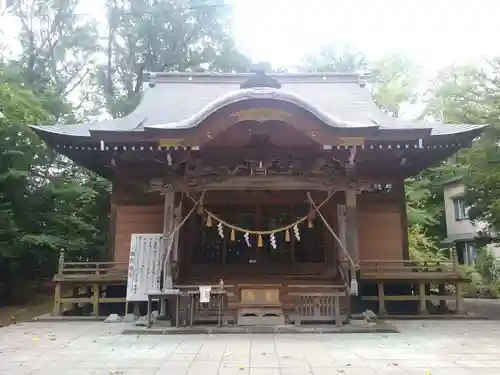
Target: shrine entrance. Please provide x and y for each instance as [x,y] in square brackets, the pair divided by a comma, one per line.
[239,251]
[277,260]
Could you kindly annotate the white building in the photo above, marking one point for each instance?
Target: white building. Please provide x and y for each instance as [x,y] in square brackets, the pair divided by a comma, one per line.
[462,232]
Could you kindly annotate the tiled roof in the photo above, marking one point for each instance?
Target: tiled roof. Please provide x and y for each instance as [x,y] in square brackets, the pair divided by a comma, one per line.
[180,100]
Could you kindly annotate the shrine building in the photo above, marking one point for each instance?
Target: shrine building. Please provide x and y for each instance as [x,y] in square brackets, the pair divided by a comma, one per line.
[259,199]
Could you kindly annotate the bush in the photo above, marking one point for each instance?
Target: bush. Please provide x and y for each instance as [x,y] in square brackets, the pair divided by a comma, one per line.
[484,275]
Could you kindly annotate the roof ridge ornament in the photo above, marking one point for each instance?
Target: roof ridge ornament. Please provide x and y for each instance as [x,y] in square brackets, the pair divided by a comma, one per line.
[260,79]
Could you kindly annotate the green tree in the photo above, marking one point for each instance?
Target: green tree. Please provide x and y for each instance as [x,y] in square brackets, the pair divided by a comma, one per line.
[162,36]
[396,81]
[47,202]
[58,52]
[45,205]
[466,94]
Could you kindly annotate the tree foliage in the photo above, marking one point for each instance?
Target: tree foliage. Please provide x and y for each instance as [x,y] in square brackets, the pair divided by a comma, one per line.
[59,49]
[471,95]
[396,82]
[162,36]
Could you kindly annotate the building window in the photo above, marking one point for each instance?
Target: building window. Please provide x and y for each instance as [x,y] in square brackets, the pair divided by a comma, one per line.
[459,209]
[470,253]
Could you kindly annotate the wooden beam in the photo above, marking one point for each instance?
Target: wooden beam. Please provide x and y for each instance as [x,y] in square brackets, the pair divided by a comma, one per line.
[262,183]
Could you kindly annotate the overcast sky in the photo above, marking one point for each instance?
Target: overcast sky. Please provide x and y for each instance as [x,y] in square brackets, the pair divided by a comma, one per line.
[434,32]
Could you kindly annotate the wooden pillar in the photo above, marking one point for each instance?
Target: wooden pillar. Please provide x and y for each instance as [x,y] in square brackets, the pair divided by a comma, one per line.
[75,294]
[168,226]
[61,263]
[454,258]
[401,197]
[57,300]
[57,291]
[421,298]
[112,232]
[338,319]
[442,303]
[341,224]
[458,298]
[95,299]
[175,245]
[381,299]
[351,224]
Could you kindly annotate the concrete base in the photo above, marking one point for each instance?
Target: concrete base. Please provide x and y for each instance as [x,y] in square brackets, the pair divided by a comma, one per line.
[434,317]
[68,318]
[379,327]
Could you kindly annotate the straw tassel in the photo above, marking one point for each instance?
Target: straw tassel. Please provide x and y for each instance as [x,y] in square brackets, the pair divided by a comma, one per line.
[259,241]
[353,290]
[287,235]
[209,221]
[233,235]
[309,223]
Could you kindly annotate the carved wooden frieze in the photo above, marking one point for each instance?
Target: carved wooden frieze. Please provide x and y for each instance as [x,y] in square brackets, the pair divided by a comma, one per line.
[199,172]
[284,172]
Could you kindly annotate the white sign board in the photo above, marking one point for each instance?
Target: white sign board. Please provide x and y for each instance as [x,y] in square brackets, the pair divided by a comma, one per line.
[144,268]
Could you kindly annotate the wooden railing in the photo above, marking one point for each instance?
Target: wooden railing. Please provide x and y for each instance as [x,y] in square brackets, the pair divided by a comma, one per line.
[410,268]
[413,266]
[90,270]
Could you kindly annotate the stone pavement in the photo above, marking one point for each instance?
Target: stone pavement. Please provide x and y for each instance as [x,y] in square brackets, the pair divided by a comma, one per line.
[422,347]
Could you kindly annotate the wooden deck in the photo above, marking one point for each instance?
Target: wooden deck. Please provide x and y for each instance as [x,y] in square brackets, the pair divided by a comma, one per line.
[424,275]
[303,297]
[86,283]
